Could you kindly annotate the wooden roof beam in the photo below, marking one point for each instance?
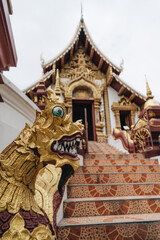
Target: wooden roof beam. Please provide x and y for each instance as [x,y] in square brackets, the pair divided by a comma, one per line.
[109,76]
[109,80]
[86,45]
[62,61]
[71,52]
[132,97]
[121,91]
[76,45]
[91,53]
[100,64]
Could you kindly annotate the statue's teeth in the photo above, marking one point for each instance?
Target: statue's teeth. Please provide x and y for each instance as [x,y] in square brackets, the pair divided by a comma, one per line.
[74,151]
[74,142]
[65,143]
[71,143]
[56,145]
[62,149]
[59,147]
[78,139]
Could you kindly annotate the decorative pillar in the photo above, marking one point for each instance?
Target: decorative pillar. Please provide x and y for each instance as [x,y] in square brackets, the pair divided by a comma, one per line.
[107,112]
[68,104]
[117,118]
[97,109]
[99,125]
[133,117]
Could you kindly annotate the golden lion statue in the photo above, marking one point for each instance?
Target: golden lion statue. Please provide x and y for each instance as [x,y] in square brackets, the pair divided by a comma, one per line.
[53,139]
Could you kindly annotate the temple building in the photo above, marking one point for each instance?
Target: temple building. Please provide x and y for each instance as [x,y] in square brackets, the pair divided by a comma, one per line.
[46,192]
[85,78]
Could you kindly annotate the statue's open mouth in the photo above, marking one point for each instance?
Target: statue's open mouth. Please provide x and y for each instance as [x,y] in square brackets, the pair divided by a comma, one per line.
[67,172]
[67,146]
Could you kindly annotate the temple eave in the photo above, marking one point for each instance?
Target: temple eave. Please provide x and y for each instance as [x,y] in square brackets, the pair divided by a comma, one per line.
[123,89]
[82,38]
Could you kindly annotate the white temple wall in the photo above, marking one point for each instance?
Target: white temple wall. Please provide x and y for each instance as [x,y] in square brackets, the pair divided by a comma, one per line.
[15,110]
[113,97]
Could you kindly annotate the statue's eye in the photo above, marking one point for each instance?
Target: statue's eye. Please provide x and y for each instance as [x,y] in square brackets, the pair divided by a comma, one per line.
[58,112]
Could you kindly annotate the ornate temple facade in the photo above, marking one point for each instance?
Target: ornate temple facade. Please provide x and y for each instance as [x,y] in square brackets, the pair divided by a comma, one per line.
[85,78]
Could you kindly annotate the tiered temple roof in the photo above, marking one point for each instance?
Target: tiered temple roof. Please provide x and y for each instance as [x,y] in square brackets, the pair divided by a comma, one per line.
[82,38]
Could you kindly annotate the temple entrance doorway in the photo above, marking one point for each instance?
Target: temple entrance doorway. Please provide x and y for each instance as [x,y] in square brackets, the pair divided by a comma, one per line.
[78,107]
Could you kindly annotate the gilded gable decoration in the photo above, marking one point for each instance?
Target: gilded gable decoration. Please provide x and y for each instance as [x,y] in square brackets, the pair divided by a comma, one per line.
[81,65]
[82,93]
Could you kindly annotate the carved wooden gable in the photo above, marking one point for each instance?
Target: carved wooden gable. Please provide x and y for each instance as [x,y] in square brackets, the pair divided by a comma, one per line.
[81,65]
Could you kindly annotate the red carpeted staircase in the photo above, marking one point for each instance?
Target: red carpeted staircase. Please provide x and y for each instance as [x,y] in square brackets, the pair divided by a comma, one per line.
[114,196]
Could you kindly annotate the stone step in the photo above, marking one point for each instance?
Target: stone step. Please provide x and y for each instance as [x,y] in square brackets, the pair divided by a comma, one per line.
[119,168]
[123,227]
[111,190]
[95,147]
[114,156]
[96,178]
[90,162]
[100,206]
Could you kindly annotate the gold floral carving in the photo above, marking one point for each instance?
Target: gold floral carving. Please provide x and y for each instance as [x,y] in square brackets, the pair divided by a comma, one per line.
[82,93]
[140,137]
[42,232]
[17,231]
[86,84]
[81,64]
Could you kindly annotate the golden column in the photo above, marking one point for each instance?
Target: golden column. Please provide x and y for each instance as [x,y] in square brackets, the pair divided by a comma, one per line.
[117,118]
[107,112]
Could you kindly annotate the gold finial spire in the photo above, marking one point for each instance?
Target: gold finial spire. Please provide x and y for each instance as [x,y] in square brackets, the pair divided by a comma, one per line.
[81,12]
[42,60]
[57,86]
[149,93]
[122,64]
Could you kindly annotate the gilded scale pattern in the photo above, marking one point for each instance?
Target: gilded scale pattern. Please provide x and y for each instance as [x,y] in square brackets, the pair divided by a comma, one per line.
[21,162]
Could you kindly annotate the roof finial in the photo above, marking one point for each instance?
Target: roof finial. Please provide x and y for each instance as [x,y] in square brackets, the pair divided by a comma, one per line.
[81,12]
[122,64]
[149,93]
[42,60]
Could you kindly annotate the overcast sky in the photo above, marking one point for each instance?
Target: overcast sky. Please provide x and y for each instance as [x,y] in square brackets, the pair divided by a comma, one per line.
[121,29]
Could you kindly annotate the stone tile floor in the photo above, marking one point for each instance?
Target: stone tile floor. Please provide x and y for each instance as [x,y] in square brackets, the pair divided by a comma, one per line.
[114,196]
